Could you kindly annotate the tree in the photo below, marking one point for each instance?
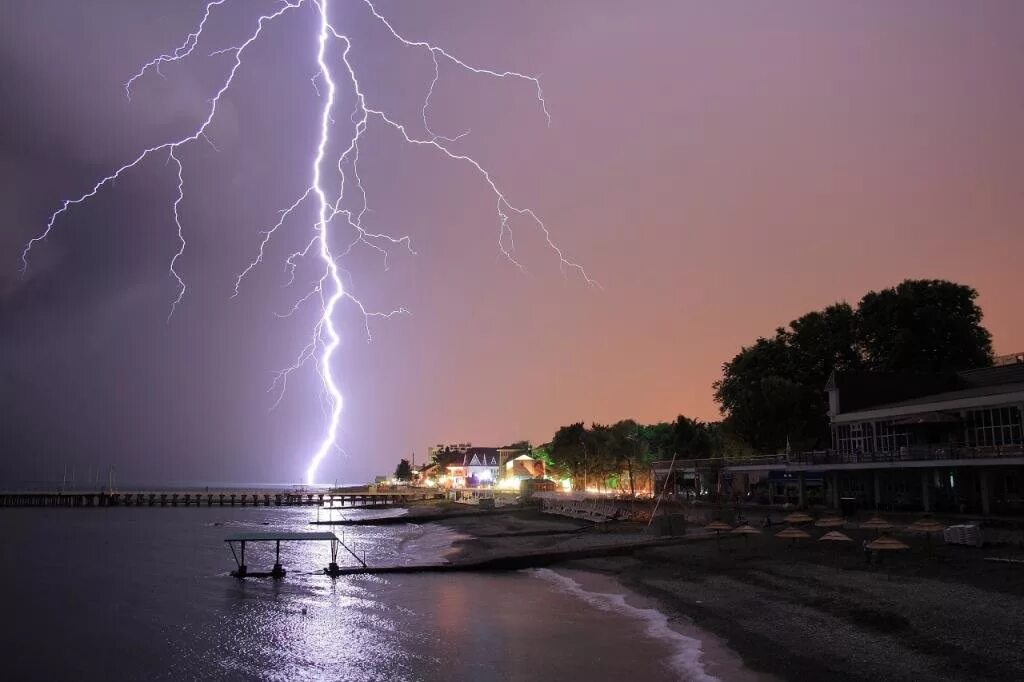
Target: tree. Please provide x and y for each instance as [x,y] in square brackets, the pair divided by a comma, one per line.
[764,401]
[772,393]
[822,342]
[568,453]
[658,441]
[619,455]
[691,438]
[629,449]
[403,472]
[602,455]
[543,453]
[923,325]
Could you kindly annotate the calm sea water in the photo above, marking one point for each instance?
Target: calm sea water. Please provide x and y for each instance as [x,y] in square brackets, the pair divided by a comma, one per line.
[145,593]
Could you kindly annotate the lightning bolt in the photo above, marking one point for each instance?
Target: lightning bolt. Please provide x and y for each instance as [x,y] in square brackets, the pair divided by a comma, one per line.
[330,204]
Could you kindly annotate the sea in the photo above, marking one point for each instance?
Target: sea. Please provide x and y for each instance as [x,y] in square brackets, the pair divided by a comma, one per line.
[146,593]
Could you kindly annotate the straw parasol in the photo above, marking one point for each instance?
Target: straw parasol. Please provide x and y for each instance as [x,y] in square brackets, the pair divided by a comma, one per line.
[798,517]
[886,543]
[745,530]
[718,526]
[792,534]
[830,522]
[836,537]
[876,523]
[926,526]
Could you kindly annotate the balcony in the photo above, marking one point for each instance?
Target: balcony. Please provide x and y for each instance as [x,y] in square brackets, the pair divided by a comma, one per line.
[821,458]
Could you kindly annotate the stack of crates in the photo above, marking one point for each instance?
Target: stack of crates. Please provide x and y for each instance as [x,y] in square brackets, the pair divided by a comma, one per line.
[963,534]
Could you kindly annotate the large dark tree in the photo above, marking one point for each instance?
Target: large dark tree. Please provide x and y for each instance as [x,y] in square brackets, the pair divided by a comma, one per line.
[821,342]
[923,325]
[765,400]
[772,393]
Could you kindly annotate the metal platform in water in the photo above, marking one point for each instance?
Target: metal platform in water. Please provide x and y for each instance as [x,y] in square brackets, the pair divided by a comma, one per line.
[242,571]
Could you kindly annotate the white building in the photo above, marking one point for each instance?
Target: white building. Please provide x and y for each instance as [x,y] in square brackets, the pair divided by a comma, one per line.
[476,467]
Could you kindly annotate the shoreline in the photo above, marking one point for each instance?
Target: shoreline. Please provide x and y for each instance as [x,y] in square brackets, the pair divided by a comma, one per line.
[695,653]
[803,612]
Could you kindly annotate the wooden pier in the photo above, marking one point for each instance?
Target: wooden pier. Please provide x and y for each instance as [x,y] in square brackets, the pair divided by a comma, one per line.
[225,498]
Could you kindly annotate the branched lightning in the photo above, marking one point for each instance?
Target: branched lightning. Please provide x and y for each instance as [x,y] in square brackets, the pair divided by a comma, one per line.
[329,288]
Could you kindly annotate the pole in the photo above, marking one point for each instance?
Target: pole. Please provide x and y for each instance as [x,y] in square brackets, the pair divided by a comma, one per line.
[586,462]
[657,504]
[636,445]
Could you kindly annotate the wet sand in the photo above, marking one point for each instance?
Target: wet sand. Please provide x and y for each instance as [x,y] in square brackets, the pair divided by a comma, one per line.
[808,611]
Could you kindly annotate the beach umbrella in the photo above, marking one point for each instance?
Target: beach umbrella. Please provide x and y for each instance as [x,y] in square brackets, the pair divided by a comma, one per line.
[798,517]
[792,534]
[886,543]
[830,522]
[836,537]
[718,526]
[745,530]
[877,523]
[926,526]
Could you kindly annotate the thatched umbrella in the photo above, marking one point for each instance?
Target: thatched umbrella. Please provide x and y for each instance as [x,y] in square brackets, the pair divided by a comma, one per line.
[886,543]
[793,534]
[877,523]
[837,537]
[830,522]
[798,518]
[745,530]
[926,526]
[718,526]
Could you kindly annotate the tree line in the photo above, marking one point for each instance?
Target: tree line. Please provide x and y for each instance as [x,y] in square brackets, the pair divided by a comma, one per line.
[772,393]
[618,456]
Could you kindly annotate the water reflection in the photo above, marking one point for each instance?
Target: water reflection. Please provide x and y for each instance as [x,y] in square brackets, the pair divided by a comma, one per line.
[149,597]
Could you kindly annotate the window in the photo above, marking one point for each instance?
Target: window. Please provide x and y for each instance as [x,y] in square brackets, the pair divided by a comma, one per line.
[995,426]
[853,437]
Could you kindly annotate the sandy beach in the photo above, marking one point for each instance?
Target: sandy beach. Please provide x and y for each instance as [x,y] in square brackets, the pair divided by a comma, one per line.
[807,611]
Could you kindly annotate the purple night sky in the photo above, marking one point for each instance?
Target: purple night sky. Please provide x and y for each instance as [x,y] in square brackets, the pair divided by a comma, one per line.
[720,168]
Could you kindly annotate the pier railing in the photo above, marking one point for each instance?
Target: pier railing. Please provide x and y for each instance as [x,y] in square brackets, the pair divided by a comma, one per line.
[177,498]
[911,453]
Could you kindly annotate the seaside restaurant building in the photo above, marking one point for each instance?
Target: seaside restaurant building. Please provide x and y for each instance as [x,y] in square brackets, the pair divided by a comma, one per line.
[475,467]
[938,442]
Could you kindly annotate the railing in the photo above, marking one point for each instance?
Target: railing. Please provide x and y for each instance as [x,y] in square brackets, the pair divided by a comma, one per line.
[823,457]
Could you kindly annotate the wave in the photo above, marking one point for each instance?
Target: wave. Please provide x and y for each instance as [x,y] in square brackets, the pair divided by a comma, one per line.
[688,657]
